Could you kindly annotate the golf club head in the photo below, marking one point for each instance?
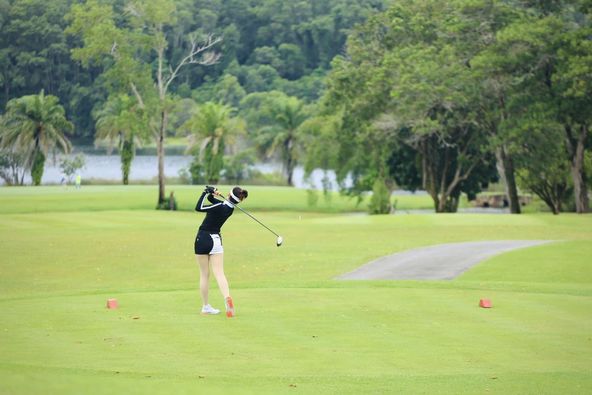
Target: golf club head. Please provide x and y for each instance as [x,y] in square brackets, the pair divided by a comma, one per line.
[280,240]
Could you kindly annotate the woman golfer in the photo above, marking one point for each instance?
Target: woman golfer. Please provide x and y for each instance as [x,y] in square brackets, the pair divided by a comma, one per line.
[208,244]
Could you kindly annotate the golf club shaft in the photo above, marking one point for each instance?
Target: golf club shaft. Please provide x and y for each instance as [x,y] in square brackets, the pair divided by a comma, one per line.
[260,223]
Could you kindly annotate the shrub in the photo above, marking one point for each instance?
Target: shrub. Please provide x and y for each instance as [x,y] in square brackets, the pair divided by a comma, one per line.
[380,202]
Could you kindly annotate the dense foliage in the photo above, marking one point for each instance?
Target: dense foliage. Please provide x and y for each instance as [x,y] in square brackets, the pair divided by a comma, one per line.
[451,89]
[445,96]
[266,45]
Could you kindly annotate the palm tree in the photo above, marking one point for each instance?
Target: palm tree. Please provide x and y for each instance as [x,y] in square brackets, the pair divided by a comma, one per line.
[36,125]
[121,120]
[281,136]
[214,128]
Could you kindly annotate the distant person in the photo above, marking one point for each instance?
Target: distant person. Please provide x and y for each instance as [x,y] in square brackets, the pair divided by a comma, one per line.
[78,180]
[208,244]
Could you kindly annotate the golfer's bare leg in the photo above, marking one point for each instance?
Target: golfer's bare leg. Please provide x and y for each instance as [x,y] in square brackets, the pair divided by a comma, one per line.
[217,261]
[204,276]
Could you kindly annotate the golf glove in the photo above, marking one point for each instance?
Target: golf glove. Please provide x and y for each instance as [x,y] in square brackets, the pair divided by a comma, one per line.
[210,189]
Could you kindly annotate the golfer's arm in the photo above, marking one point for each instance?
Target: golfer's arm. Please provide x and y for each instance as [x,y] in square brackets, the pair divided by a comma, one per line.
[212,199]
[200,203]
[198,206]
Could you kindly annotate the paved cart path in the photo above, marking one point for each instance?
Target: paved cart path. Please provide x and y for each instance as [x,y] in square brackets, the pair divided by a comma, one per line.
[439,262]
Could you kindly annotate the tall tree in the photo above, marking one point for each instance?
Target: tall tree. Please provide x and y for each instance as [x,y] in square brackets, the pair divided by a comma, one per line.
[276,120]
[540,154]
[134,45]
[37,125]
[550,64]
[573,78]
[481,21]
[407,64]
[213,129]
[318,135]
[121,120]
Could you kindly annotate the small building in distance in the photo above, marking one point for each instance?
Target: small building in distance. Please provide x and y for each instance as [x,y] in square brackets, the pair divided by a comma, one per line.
[498,200]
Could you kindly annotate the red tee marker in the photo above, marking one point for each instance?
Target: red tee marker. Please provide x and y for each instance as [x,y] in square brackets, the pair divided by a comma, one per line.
[112,303]
[485,303]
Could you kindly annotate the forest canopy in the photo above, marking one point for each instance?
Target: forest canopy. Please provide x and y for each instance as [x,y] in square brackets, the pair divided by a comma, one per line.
[442,96]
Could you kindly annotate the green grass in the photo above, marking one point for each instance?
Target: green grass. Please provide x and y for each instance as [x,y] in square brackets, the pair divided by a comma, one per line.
[144,197]
[297,330]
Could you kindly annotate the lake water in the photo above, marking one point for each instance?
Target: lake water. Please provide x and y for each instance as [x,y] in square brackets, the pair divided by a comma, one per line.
[145,168]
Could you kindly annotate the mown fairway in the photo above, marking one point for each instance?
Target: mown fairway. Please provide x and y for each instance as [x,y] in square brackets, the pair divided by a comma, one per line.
[64,252]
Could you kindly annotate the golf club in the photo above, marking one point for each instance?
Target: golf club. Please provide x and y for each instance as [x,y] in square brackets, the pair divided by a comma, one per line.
[279,239]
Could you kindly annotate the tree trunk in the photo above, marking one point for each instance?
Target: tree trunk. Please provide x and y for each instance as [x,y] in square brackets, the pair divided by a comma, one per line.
[550,193]
[160,153]
[505,167]
[554,205]
[290,175]
[441,204]
[127,155]
[577,171]
[37,167]
[443,200]
[575,147]
[7,177]
[427,174]
[289,171]
[580,190]
[163,124]
[38,161]
[511,189]
[454,205]
[289,161]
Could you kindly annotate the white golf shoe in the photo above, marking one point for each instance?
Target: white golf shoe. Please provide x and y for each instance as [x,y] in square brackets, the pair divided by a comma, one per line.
[207,309]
